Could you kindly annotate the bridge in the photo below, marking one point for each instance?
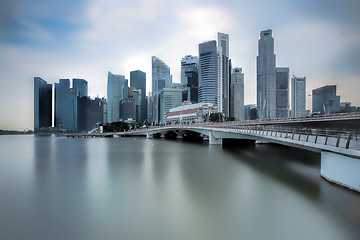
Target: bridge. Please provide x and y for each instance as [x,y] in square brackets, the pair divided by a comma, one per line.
[336,137]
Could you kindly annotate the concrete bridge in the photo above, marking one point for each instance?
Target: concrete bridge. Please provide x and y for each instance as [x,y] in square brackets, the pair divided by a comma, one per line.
[336,137]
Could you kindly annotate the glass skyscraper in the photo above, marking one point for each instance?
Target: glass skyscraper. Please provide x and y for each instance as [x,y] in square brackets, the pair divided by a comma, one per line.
[169,98]
[115,86]
[161,77]
[70,110]
[223,42]
[82,87]
[266,76]
[190,79]
[42,104]
[138,81]
[208,73]
[325,100]
[282,92]
[61,89]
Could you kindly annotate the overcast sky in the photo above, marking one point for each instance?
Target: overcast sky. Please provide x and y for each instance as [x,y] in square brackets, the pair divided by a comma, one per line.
[319,39]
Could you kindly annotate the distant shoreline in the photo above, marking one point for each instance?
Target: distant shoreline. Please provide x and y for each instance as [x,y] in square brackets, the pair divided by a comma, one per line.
[13,132]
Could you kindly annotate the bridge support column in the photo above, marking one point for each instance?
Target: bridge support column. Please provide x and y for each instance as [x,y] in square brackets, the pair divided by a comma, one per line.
[213,140]
[341,169]
[148,135]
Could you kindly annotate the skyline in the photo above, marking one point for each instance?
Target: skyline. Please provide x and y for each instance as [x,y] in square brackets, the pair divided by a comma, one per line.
[86,39]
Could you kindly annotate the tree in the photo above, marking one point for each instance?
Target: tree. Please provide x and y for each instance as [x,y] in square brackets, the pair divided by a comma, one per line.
[217,117]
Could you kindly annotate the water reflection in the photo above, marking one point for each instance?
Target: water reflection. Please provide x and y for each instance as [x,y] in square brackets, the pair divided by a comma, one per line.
[125,188]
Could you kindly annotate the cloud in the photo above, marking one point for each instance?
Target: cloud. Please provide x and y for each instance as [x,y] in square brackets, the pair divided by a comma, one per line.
[66,39]
[8,18]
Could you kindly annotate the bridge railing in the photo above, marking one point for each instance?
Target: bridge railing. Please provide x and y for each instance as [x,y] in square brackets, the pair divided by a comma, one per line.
[336,138]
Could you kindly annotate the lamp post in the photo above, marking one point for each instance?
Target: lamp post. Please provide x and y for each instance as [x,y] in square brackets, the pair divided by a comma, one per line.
[322,102]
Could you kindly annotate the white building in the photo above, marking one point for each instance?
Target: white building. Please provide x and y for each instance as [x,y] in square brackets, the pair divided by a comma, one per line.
[189,113]
[298,96]
[266,76]
[237,94]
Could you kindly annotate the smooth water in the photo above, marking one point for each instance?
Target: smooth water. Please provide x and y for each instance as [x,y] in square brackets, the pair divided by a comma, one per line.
[136,188]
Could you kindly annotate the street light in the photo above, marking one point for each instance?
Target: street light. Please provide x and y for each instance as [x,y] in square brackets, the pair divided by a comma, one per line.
[324,106]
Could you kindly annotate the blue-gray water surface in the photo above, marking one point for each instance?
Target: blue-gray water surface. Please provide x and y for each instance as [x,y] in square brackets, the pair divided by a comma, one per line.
[135,188]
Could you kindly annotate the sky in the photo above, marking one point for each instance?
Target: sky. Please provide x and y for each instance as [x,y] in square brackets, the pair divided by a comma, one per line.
[87,38]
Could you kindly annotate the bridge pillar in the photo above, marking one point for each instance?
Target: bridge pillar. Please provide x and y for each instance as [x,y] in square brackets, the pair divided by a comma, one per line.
[341,169]
[148,135]
[213,140]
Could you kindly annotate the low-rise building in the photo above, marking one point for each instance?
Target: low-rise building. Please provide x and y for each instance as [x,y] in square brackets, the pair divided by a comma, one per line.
[189,113]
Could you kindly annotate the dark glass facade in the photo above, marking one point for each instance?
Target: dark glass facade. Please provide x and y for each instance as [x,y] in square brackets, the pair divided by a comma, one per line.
[61,89]
[42,104]
[138,81]
[81,85]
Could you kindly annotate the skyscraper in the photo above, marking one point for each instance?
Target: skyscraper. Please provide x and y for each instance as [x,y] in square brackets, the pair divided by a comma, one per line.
[169,98]
[81,86]
[115,86]
[325,100]
[42,104]
[298,96]
[237,94]
[282,92]
[188,63]
[266,76]
[138,81]
[208,72]
[161,77]
[190,78]
[61,89]
[220,85]
[70,110]
[223,42]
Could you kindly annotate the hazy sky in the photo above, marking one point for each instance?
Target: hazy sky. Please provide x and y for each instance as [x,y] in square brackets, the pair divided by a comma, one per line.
[319,39]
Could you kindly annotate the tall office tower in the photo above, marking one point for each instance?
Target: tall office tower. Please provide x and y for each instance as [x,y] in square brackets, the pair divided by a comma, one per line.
[282,92]
[324,100]
[230,97]
[161,77]
[42,104]
[156,108]
[90,113]
[247,111]
[81,85]
[138,81]
[149,108]
[115,86]
[61,89]
[70,110]
[169,98]
[190,78]
[208,72]
[298,96]
[266,76]
[237,94]
[223,42]
[188,63]
[220,85]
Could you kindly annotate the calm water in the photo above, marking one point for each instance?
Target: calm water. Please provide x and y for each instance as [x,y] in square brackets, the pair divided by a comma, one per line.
[126,188]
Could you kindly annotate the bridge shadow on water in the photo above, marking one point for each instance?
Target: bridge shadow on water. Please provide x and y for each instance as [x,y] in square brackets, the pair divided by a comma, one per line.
[298,169]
